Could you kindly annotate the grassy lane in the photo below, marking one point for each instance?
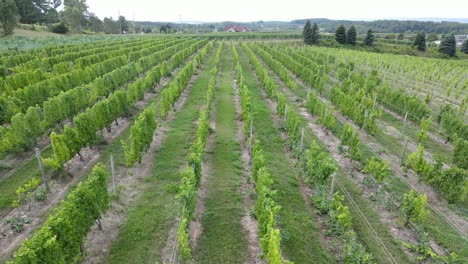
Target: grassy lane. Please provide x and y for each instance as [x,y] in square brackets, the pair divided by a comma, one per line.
[143,237]
[223,239]
[301,240]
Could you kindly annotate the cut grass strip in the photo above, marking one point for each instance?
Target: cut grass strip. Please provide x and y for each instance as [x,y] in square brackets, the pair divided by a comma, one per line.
[223,239]
[301,235]
[143,237]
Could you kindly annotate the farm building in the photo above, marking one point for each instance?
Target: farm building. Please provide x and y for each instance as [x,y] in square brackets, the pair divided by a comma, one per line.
[237,29]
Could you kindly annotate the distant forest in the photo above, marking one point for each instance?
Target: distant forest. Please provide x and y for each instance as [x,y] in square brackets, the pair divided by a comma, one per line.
[394,26]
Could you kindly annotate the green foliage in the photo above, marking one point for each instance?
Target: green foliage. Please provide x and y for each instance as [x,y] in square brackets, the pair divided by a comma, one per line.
[8,16]
[420,41]
[339,218]
[377,168]
[349,137]
[25,193]
[460,154]
[340,34]
[355,252]
[17,223]
[351,35]
[60,237]
[413,207]
[369,40]
[448,46]
[183,240]
[424,126]
[141,136]
[317,164]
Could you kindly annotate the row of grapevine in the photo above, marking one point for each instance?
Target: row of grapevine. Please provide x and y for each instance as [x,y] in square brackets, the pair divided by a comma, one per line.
[22,79]
[266,208]
[61,237]
[68,104]
[452,182]
[351,103]
[102,114]
[317,166]
[394,99]
[177,86]
[192,173]
[37,93]
[46,58]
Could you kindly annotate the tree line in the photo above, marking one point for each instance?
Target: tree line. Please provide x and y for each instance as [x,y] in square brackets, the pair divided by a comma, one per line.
[311,36]
[74,16]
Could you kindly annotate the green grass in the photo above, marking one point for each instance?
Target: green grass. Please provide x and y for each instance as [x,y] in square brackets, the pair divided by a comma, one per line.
[223,239]
[301,241]
[144,235]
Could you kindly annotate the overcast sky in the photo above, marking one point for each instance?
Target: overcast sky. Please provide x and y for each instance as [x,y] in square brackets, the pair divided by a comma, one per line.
[282,10]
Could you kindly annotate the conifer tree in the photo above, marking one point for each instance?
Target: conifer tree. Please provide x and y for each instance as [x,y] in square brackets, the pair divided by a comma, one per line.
[464,47]
[369,40]
[351,35]
[448,46]
[8,15]
[340,34]
[315,34]
[307,33]
[420,41]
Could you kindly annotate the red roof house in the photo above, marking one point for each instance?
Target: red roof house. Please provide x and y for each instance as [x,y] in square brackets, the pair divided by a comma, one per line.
[237,29]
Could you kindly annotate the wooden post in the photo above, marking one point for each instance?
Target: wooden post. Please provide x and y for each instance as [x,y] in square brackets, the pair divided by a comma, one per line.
[113,172]
[302,139]
[404,123]
[365,118]
[41,167]
[332,189]
[285,115]
[404,152]
[251,135]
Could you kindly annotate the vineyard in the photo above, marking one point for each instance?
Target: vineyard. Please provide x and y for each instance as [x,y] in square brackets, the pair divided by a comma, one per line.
[184,149]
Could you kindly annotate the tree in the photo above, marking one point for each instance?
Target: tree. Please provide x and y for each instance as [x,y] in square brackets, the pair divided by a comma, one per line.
[110,26]
[420,41]
[340,34]
[123,24]
[307,33]
[351,35]
[369,40]
[448,46]
[315,34]
[8,15]
[464,47]
[95,24]
[74,13]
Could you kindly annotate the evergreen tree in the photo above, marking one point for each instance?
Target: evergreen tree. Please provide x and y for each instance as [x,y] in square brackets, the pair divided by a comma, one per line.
[123,24]
[340,34]
[74,13]
[369,40]
[307,33]
[315,34]
[8,15]
[464,47]
[351,36]
[420,41]
[448,46]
